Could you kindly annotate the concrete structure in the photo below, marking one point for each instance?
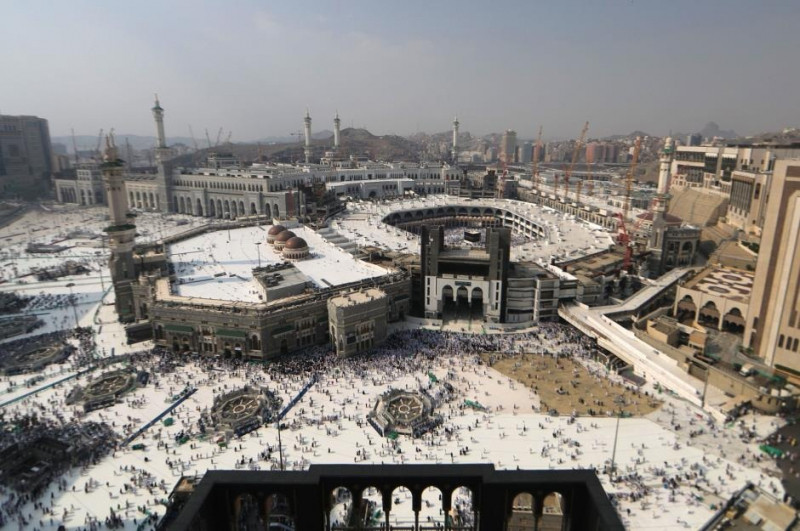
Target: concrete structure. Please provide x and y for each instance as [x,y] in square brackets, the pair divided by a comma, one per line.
[773,320]
[225,305]
[26,160]
[225,191]
[357,321]
[86,189]
[717,297]
[747,207]
[508,147]
[660,202]
[222,498]
[465,276]
[121,234]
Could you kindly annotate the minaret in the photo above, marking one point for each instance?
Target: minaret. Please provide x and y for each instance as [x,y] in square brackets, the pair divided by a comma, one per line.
[455,140]
[661,200]
[307,149]
[121,232]
[164,177]
[336,130]
[161,139]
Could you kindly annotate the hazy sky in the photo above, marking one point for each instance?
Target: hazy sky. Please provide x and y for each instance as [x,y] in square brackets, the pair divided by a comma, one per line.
[252,67]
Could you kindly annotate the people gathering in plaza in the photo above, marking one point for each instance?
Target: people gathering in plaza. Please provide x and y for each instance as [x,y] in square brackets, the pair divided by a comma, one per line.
[340,398]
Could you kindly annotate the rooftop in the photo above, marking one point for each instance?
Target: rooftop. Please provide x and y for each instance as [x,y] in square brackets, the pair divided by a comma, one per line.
[219,264]
[733,284]
[358,297]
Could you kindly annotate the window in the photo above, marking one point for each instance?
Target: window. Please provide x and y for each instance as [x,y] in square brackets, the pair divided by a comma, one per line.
[780,341]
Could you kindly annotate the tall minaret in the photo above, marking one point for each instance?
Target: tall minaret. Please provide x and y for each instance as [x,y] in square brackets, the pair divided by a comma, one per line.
[307,149]
[336,130]
[454,152]
[161,139]
[121,232]
[661,200]
[164,177]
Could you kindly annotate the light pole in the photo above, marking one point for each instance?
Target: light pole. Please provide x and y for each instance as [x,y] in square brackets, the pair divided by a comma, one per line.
[258,248]
[614,451]
[72,300]
[280,445]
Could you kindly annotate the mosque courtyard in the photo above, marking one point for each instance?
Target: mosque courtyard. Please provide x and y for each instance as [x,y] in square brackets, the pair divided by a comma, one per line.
[519,400]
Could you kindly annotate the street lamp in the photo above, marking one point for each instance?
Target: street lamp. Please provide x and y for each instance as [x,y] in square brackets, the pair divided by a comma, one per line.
[72,300]
[614,451]
[280,444]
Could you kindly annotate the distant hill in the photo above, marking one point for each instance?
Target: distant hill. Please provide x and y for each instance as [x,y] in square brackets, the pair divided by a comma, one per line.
[712,129]
[359,142]
[632,135]
[789,135]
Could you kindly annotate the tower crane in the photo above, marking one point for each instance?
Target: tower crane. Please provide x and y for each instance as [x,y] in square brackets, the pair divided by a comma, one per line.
[589,181]
[575,153]
[637,147]
[208,139]
[623,237]
[219,136]
[74,147]
[97,146]
[194,140]
[537,149]
[129,154]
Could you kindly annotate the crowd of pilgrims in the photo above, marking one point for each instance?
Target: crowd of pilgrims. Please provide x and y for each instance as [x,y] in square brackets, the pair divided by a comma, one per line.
[414,351]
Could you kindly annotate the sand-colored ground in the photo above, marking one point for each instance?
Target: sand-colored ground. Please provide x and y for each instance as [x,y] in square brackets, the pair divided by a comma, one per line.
[567,387]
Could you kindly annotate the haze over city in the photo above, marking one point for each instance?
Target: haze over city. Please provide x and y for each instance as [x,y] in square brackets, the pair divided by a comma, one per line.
[253,67]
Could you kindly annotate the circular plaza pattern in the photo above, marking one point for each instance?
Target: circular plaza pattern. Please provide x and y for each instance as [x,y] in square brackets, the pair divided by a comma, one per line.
[114,383]
[404,413]
[34,359]
[243,410]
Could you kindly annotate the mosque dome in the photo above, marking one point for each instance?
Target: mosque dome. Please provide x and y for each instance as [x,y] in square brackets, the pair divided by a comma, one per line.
[295,248]
[295,242]
[275,230]
[281,239]
[284,236]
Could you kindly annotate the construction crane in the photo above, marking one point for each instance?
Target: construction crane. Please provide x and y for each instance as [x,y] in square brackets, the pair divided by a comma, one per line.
[637,147]
[129,153]
[589,181]
[575,153]
[624,239]
[208,139]
[75,147]
[97,146]
[228,139]
[219,135]
[537,149]
[194,141]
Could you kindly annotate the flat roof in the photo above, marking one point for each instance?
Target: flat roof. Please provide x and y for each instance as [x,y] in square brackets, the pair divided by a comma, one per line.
[358,297]
[219,264]
[734,284]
